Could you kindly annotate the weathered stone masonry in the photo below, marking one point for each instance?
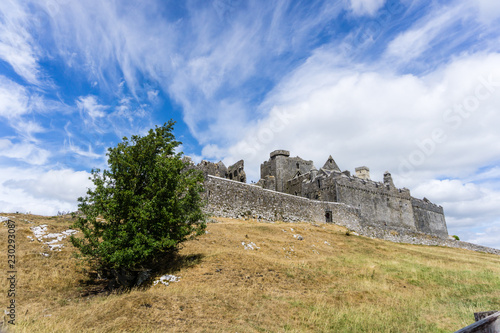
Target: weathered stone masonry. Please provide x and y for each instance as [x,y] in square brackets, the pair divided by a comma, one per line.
[228,198]
[292,189]
[379,203]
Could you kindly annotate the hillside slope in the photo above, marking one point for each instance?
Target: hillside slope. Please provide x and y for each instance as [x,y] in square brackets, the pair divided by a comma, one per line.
[249,276]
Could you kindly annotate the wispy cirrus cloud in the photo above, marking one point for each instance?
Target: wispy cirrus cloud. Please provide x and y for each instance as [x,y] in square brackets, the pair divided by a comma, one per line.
[90,110]
[14,99]
[17,46]
[443,32]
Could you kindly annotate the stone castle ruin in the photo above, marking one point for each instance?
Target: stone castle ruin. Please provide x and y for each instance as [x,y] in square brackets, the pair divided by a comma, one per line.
[292,189]
[379,203]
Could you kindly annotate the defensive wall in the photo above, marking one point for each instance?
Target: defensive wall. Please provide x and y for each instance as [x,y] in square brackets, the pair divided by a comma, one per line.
[228,198]
[429,218]
[234,199]
[379,205]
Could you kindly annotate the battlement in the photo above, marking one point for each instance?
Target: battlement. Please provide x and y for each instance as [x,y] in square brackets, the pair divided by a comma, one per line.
[373,187]
[427,205]
[275,153]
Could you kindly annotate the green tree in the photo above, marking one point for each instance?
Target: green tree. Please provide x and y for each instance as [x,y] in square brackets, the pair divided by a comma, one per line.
[141,208]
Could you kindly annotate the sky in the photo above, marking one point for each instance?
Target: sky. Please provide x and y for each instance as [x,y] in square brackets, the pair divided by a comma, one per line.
[409,87]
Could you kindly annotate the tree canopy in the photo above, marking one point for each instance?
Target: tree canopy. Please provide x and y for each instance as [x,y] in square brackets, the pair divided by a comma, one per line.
[143,206]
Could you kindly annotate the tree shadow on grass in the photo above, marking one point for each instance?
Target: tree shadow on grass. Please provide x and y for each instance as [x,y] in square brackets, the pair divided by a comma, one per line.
[119,281]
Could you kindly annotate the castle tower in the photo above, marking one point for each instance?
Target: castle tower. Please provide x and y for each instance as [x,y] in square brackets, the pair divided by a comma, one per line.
[283,168]
[363,172]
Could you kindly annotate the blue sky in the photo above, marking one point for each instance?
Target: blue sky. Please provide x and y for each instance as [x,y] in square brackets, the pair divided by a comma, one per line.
[412,87]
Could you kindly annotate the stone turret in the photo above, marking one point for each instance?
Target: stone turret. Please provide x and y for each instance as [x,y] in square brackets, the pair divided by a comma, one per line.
[388,180]
[363,172]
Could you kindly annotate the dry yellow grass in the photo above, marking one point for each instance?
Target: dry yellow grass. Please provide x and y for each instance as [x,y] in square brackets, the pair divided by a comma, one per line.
[327,282]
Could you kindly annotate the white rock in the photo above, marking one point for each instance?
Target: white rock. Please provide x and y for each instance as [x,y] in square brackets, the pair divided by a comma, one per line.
[249,246]
[166,279]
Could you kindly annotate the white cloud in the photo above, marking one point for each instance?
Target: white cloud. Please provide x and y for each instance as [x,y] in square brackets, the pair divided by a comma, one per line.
[199,61]
[89,108]
[14,99]
[16,43]
[366,7]
[488,237]
[211,61]
[489,10]
[26,152]
[467,204]
[41,192]
[411,43]
[88,153]
[17,103]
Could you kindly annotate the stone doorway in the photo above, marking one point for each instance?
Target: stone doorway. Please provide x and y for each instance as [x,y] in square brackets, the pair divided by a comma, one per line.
[328,216]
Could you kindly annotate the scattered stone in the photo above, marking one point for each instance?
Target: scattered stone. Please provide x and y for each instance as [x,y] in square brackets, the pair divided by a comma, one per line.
[40,234]
[299,237]
[250,246]
[166,279]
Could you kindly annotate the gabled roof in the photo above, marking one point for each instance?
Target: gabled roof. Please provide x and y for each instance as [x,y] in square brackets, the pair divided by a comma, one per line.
[331,165]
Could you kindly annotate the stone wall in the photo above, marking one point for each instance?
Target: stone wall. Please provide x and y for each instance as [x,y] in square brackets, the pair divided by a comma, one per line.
[227,198]
[429,218]
[402,235]
[378,204]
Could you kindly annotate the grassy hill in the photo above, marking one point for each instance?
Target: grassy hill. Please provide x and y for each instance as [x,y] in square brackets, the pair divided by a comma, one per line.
[326,282]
